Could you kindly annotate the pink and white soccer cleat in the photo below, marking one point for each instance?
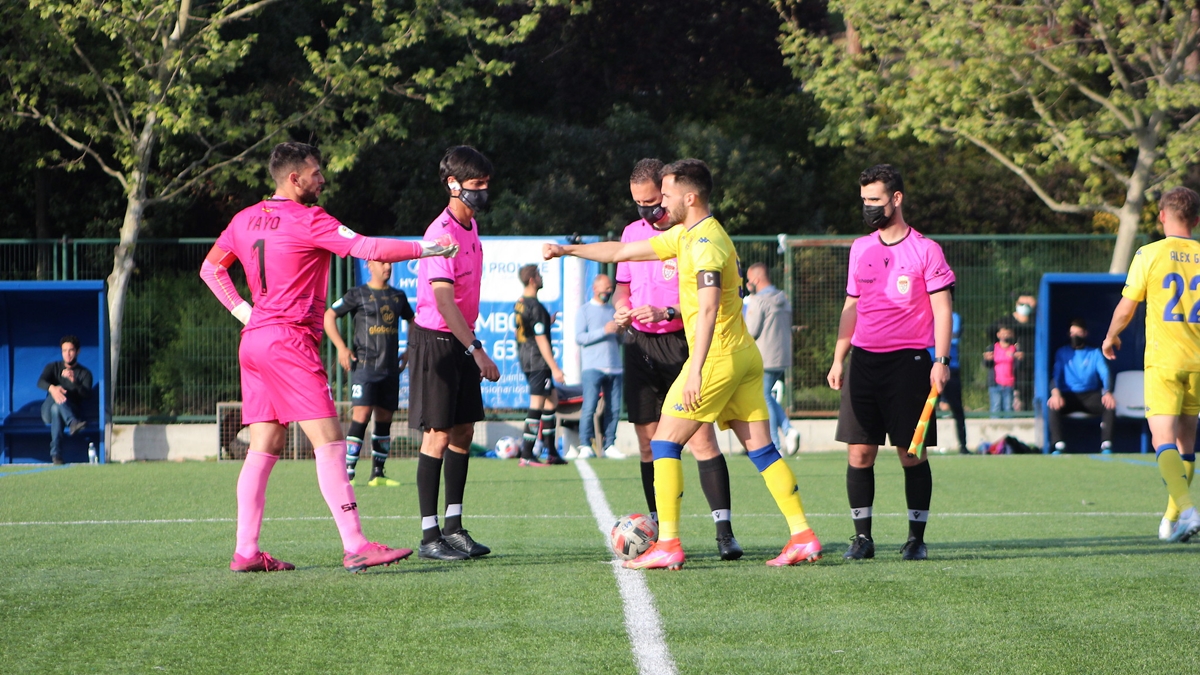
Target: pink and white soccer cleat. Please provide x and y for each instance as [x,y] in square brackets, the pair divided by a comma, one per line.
[664,554]
[802,547]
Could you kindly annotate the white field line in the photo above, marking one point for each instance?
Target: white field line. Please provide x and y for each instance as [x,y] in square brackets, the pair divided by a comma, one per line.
[642,622]
[284,519]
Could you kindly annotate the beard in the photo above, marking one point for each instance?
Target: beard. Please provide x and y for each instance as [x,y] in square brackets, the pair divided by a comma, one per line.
[674,218]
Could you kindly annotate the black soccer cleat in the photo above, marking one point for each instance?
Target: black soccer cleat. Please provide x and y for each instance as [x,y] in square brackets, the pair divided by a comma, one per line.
[462,542]
[555,460]
[729,547]
[439,549]
[914,550]
[861,547]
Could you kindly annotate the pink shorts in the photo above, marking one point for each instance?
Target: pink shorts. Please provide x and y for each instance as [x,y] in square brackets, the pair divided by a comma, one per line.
[283,379]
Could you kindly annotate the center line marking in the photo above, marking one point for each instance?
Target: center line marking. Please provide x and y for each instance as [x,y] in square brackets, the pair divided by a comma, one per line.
[642,621]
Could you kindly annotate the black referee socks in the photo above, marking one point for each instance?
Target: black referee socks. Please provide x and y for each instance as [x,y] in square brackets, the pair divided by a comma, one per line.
[429,479]
[918,491]
[714,479]
[860,488]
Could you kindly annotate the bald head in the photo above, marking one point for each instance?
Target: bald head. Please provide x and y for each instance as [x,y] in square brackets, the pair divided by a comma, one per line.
[757,275]
[602,288]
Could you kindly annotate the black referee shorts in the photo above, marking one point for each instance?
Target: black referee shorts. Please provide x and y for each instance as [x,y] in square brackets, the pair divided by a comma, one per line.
[652,362]
[883,395]
[443,381]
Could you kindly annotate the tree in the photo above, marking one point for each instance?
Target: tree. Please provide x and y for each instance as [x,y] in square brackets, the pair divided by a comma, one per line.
[1106,90]
[157,93]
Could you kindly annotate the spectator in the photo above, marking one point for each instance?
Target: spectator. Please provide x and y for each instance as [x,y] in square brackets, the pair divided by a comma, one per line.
[1081,382]
[952,394]
[67,385]
[596,333]
[769,319]
[1021,321]
[1002,359]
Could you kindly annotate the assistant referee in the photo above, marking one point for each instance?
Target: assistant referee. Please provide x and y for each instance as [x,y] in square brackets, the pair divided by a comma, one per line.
[898,305]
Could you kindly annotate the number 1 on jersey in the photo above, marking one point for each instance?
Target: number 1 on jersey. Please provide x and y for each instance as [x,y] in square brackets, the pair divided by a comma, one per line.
[261,246]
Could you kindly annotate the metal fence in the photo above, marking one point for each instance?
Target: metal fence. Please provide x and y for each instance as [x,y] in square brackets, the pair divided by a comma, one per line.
[179,347]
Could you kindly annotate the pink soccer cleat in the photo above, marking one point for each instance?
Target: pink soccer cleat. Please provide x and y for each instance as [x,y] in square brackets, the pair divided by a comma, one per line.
[262,562]
[802,547]
[373,555]
[664,554]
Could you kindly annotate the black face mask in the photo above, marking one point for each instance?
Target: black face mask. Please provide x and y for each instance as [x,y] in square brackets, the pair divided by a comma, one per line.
[652,214]
[604,297]
[1078,342]
[476,200]
[873,216]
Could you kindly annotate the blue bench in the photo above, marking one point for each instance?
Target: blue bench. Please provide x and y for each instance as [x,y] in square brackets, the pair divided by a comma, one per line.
[34,315]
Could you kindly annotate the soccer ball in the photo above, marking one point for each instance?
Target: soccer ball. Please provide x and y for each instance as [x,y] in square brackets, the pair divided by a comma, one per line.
[633,535]
[507,447]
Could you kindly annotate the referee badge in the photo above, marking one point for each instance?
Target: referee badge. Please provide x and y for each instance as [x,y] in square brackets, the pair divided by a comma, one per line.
[902,284]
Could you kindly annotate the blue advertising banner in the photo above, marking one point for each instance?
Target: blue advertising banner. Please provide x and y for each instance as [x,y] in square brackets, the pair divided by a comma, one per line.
[567,285]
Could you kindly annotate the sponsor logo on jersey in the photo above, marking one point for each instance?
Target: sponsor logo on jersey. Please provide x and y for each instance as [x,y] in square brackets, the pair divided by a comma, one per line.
[346,232]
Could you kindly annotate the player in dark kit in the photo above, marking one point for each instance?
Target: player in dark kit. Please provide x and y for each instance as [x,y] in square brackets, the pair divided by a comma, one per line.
[540,368]
[375,364]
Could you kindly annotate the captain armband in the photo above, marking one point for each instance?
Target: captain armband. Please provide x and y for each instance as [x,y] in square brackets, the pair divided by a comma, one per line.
[707,279]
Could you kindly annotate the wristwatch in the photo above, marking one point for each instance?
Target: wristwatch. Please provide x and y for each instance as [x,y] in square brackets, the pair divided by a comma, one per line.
[944,360]
[476,344]
[671,313]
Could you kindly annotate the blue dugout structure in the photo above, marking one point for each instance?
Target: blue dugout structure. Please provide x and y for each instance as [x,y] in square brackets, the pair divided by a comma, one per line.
[34,315]
[1092,297]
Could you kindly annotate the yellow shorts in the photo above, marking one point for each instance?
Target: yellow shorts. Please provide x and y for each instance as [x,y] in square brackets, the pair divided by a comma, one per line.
[1171,392]
[732,389]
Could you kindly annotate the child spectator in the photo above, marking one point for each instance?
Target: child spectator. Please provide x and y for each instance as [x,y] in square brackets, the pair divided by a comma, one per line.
[1000,360]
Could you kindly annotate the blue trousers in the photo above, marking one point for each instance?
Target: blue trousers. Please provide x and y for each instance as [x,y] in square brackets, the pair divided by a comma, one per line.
[59,416]
[778,416]
[595,382]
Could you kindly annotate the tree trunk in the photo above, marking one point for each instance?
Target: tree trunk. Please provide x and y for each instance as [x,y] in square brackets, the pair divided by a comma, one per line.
[123,265]
[1130,214]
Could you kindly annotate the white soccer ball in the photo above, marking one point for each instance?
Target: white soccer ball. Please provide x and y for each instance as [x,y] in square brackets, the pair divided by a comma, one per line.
[633,535]
[508,447]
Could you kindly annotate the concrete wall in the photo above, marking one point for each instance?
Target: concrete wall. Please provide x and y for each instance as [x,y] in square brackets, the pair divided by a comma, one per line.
[179,442]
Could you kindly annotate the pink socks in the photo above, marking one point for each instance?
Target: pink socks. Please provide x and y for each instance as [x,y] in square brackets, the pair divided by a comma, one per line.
[338,493]
[251,496]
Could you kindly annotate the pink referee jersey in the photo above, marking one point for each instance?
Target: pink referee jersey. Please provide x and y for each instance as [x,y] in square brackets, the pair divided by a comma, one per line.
[892,284]
[464,270]
[284,248]
[653,282]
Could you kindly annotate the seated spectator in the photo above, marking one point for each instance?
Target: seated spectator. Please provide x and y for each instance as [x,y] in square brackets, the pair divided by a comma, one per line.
[1001,360]
[67,385]
[596,333]
[1081,383]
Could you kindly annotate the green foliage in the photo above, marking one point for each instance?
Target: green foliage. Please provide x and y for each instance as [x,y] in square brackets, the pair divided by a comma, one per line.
[1100,90]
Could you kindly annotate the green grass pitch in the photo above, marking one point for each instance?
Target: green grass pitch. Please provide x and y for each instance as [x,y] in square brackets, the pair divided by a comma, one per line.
[1037,565]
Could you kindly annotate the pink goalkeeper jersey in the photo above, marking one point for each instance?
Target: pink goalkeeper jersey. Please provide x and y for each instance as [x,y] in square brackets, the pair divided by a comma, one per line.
[653,282]
[464,270]
[892,284]
[284,248]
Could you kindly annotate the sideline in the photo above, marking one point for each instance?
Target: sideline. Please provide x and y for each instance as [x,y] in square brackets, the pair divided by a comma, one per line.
[642,621]
[5,474]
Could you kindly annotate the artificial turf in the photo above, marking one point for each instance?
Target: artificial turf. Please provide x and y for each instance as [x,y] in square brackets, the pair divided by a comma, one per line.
[1037,565]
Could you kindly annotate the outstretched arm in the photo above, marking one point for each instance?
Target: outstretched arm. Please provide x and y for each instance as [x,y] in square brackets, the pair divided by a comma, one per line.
[603,251]
[215,273]
[394,250]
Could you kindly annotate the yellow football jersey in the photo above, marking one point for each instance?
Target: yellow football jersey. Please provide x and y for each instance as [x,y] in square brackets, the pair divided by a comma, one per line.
[706,246]
[1166,275]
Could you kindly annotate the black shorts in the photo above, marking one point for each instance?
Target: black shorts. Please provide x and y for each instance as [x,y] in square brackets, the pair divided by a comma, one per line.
[541,383]
[883,395]
[375,388]
[443,381]
[652,362]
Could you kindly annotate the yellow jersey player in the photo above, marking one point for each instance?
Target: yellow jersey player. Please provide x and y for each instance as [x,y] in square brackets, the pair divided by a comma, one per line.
[1166,274]
[722,378]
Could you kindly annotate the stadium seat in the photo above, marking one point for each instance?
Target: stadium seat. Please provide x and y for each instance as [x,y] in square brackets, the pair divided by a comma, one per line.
[1131,402]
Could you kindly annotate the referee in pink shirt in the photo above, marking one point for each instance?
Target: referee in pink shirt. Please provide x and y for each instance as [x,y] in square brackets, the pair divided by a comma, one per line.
[446,361]
[898,305]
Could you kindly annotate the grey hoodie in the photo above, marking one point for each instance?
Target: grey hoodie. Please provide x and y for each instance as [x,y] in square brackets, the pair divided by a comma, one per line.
[769,318]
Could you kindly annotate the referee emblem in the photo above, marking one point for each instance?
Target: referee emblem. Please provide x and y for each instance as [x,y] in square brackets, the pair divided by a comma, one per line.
[902,284]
